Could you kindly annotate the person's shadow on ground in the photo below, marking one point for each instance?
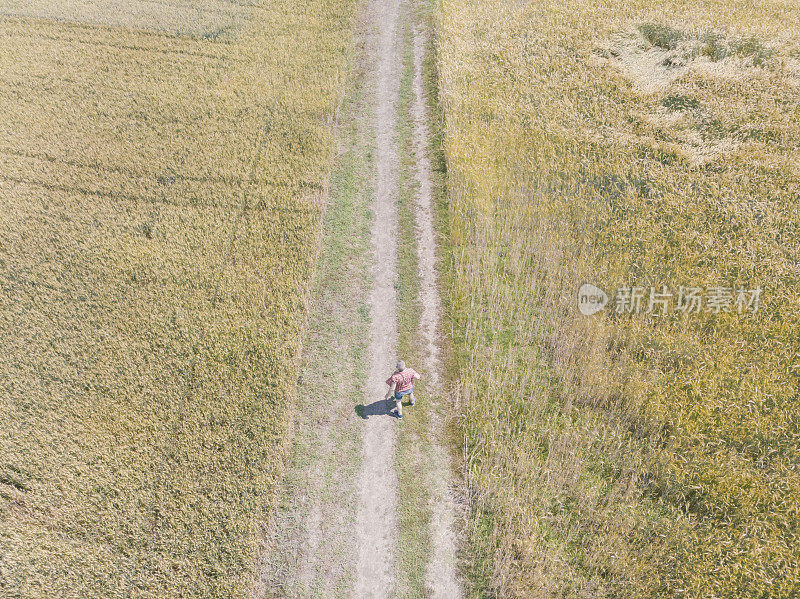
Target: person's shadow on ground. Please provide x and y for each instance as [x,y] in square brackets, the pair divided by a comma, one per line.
[376,408]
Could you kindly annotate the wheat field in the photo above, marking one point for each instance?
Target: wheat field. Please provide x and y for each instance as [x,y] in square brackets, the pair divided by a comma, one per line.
[626,145]
[163,167]
[160,196]
[199,19]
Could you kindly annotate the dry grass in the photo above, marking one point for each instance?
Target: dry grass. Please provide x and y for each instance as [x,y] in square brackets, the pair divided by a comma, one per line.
[159,216]
[624,455]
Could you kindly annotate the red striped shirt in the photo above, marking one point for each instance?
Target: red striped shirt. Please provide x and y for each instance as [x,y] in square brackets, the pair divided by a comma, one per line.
[403,380]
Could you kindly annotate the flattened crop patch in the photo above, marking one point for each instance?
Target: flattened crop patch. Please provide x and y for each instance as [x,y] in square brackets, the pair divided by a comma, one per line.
[210,19]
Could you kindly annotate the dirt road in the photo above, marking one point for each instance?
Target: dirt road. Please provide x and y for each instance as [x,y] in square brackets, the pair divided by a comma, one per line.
[336,531]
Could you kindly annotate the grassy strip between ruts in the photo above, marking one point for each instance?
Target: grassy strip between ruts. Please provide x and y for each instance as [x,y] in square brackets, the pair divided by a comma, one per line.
[625,144]
[416,444]
[159,211]
[413,549]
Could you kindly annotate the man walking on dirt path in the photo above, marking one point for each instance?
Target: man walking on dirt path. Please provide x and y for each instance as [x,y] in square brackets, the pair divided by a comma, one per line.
[401,383]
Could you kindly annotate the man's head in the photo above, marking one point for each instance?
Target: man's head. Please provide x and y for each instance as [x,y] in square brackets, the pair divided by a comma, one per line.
[401,366]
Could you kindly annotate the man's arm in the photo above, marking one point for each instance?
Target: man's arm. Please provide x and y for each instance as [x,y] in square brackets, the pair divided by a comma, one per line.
[390,392]
[416,375]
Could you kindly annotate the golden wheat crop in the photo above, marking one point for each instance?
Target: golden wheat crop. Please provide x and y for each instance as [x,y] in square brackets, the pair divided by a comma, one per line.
[159,212]
[202,19]
[625,144]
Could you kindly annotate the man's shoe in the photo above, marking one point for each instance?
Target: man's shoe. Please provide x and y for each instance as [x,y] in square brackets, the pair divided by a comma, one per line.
[396,414]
